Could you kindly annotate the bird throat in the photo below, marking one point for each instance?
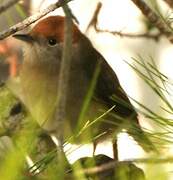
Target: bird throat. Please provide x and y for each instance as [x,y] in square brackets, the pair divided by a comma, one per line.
[39,84]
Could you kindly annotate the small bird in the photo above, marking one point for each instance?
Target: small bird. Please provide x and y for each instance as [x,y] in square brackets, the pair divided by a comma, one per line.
[43,47]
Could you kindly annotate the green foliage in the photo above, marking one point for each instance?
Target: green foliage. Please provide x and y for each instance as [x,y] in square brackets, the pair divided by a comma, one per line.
[7,100]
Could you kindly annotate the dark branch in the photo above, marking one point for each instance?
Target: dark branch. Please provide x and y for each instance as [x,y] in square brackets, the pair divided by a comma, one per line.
[31,19]
[154,19]
[112,164]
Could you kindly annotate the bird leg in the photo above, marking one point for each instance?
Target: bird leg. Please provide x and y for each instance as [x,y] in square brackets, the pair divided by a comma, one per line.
[115,149]
[94,147]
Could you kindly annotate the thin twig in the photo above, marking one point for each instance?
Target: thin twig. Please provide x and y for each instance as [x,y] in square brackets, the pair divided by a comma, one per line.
[31,19]
[94,19]
[94,22]
[129,35]
[154,19]
[7,5]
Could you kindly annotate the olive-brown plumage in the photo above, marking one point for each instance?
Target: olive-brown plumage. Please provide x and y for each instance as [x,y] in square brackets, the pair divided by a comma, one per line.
[39,83]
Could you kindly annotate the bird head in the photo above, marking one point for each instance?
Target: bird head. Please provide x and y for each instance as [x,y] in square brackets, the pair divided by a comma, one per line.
[45,40]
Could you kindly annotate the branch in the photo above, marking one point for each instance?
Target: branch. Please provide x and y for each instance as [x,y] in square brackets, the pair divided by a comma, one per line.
[62,90]
[154,19]
[64,75]
[7,5]
[20,26]
[129,35]
[169,2]
[94,22]
[94,19]
[114,163]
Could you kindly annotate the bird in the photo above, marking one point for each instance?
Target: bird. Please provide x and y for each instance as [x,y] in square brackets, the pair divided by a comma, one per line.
[39,73]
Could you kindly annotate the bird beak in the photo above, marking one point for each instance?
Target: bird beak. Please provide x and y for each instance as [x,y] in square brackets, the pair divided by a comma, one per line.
[24,37]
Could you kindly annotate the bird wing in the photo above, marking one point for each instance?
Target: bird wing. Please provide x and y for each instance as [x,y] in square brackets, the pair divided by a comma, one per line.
[109,90]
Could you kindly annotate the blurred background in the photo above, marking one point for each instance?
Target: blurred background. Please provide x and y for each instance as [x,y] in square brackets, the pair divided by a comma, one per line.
[122,16]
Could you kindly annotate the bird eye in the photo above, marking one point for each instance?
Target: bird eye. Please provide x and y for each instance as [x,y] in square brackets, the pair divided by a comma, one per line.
[52,42]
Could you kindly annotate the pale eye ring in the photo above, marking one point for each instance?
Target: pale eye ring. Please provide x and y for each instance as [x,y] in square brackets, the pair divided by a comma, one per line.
[52,42]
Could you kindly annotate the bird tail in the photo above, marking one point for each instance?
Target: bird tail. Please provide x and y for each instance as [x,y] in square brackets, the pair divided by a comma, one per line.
[141,137]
